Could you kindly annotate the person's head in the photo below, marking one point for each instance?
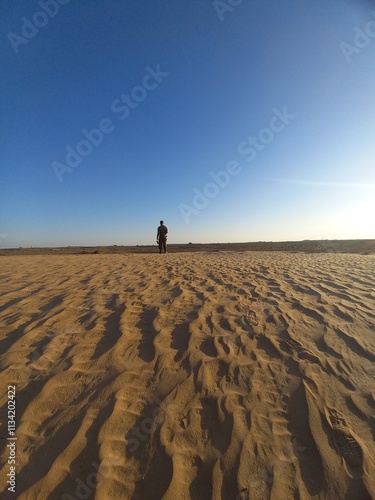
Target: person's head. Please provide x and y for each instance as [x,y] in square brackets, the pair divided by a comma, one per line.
[161,222]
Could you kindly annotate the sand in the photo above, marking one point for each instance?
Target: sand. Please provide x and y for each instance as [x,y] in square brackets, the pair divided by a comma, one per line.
[221,375]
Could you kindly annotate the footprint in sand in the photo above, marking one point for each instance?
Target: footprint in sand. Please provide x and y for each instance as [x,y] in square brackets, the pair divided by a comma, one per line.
[344,441]
[303,353]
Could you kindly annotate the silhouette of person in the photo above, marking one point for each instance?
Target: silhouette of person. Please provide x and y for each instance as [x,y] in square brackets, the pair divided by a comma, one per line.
[161,237]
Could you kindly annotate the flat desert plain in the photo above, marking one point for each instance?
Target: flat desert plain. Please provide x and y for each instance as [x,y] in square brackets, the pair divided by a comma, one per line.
[223,375]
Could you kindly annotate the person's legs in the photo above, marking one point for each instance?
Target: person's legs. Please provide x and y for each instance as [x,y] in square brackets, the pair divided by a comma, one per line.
[160,244]
[165,245]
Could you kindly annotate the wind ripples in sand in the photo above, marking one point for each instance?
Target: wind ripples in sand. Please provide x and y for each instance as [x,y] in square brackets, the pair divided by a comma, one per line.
[215,375]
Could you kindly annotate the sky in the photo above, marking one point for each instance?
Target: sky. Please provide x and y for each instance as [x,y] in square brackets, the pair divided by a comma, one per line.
[231,120]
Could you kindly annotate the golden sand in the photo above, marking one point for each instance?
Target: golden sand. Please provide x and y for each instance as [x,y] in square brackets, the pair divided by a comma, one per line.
[218,375]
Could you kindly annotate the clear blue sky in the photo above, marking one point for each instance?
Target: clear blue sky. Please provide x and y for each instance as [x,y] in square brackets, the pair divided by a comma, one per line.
[220,75]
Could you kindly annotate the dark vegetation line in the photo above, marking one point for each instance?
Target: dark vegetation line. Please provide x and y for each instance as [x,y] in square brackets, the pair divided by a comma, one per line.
[365,247]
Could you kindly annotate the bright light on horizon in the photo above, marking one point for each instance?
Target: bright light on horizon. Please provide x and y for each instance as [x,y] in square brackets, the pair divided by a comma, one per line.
[153,101]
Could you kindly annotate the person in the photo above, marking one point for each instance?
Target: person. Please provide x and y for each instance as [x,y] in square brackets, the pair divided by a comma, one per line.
[161,237]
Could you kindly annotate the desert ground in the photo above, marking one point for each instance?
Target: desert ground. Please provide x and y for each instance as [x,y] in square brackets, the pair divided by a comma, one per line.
[195,375]
[364,247]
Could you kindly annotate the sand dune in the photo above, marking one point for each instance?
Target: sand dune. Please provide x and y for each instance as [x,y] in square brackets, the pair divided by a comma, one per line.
[217,375]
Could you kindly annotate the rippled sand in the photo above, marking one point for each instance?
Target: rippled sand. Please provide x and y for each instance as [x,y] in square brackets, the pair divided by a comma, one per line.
[217,375]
